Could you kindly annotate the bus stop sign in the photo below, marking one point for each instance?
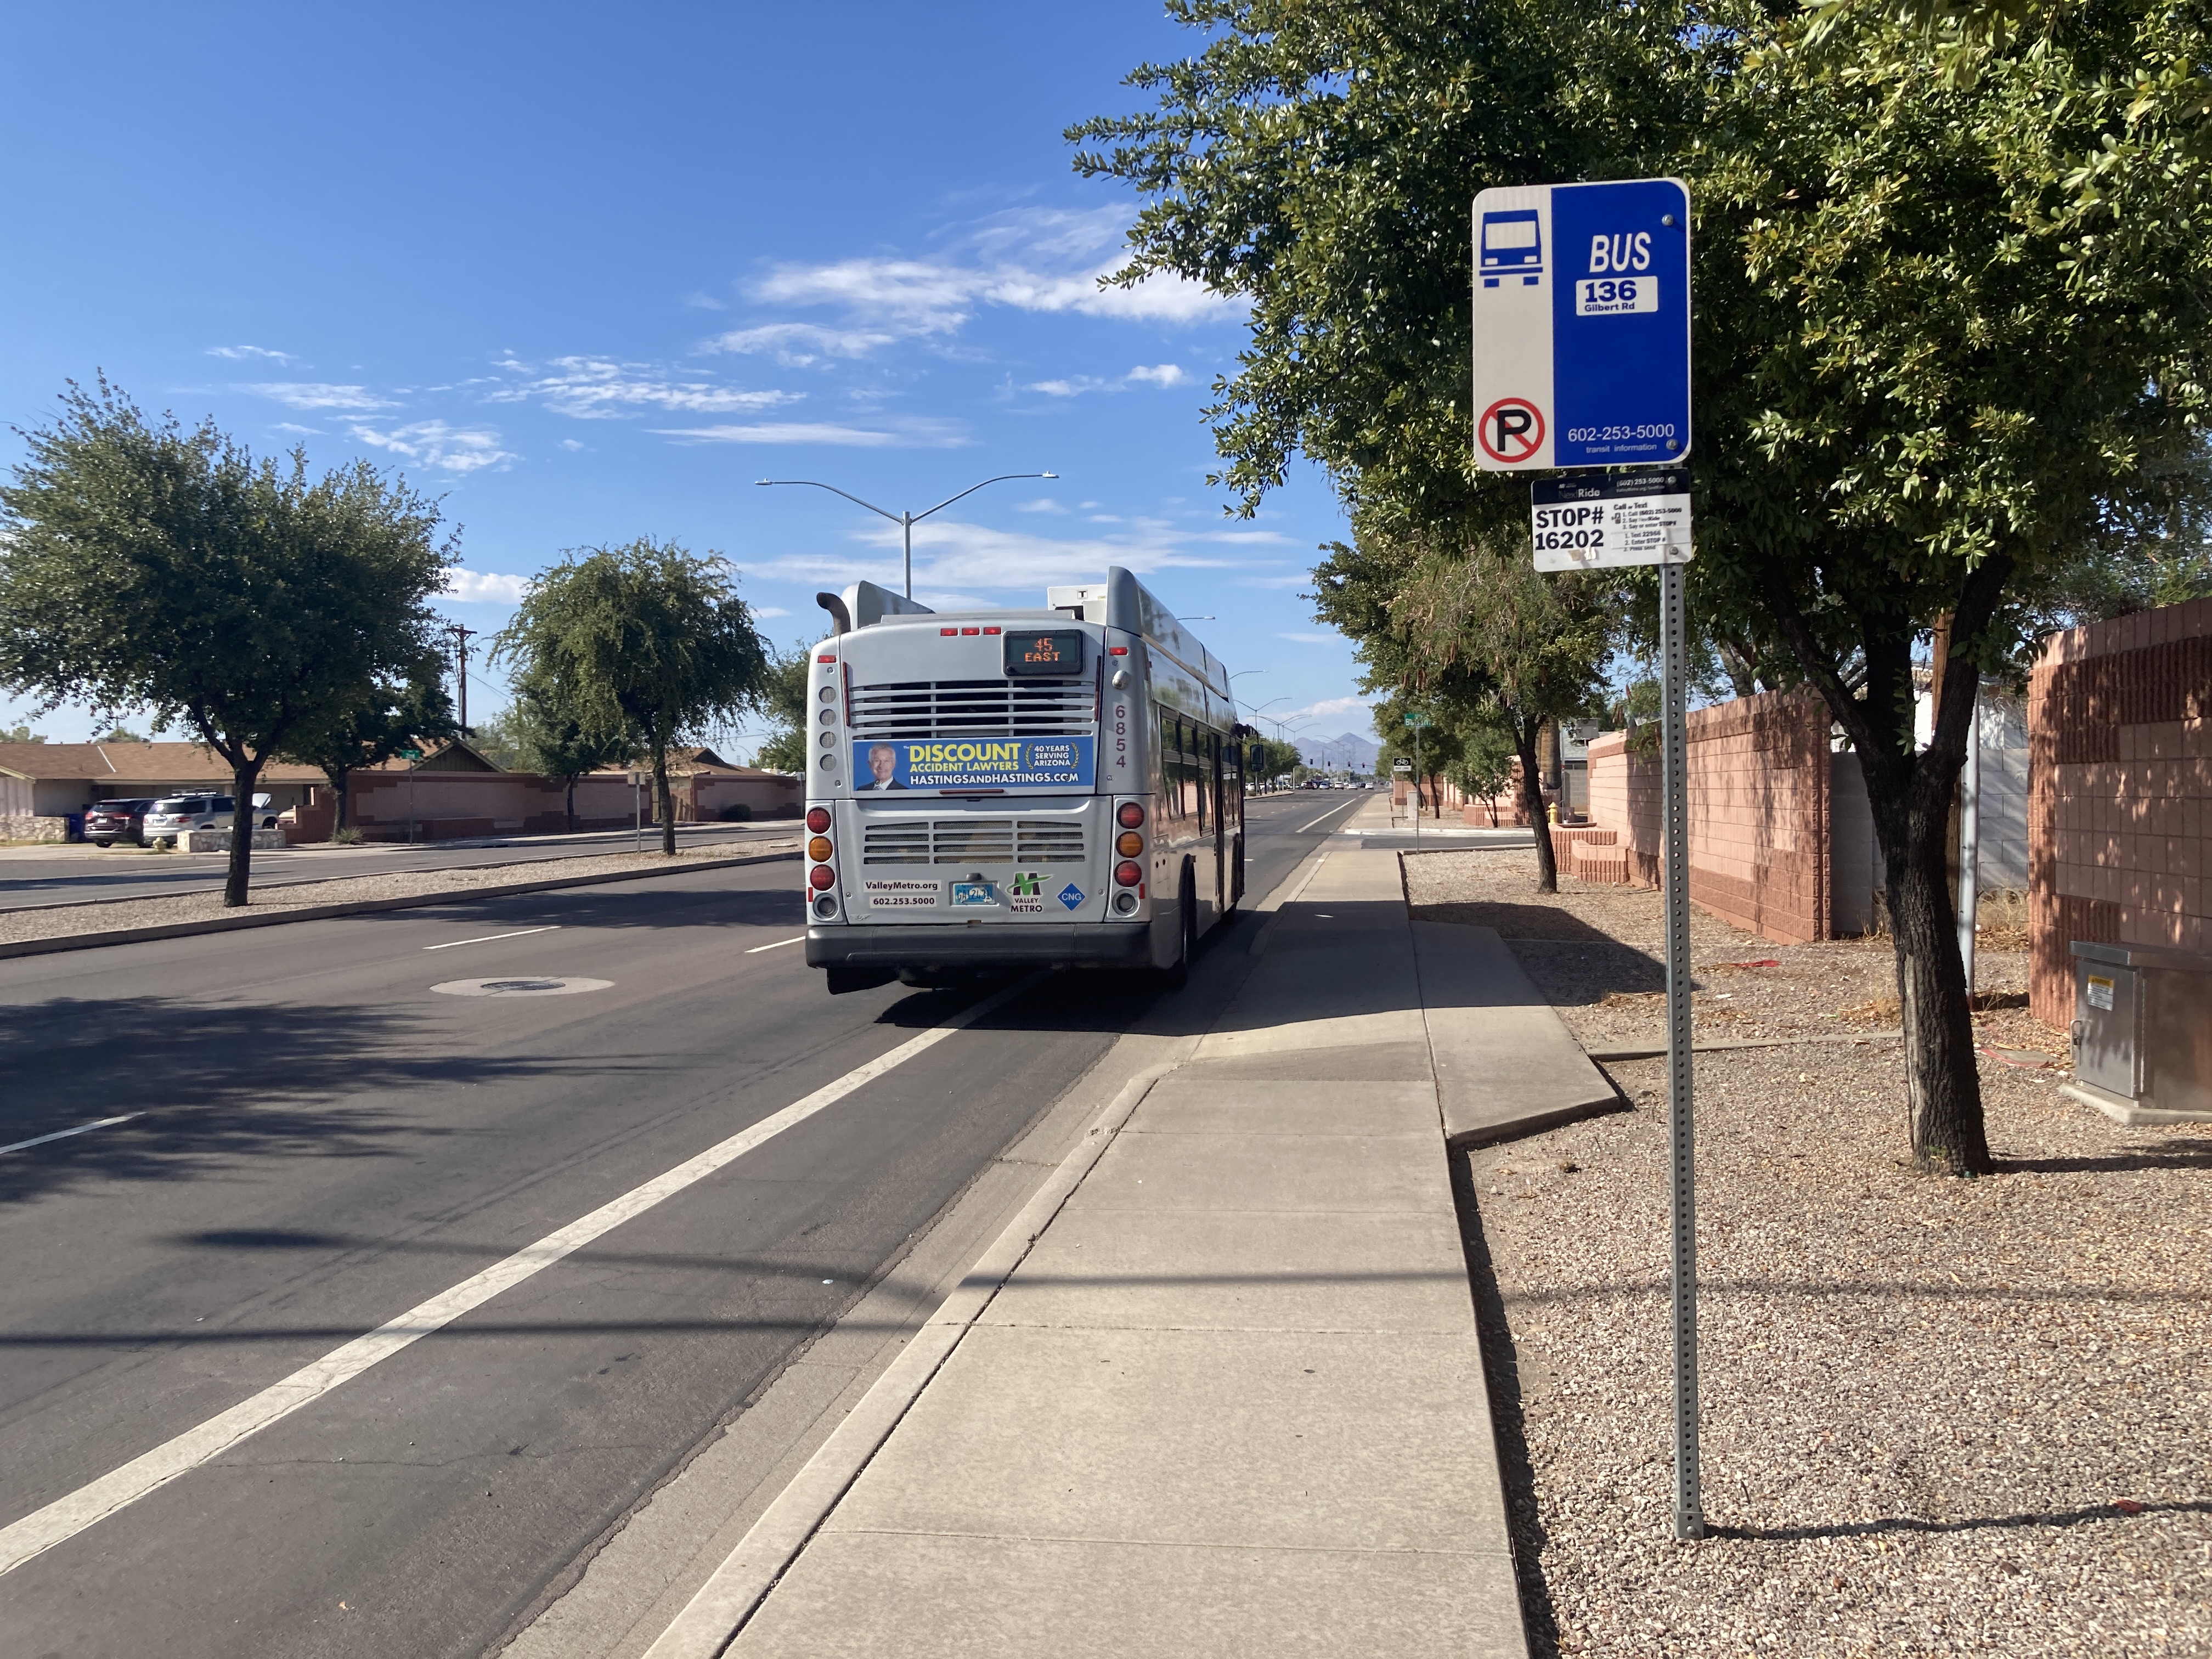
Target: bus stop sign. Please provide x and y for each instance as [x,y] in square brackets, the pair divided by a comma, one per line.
[1581,325]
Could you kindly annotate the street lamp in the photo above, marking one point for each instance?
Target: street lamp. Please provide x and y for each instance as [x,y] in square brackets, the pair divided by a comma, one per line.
[906,521]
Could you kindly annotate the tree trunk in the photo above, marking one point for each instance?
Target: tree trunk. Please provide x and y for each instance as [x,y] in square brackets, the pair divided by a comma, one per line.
[340,784]
[666,804]
[572,805]
[242,780]
[1942,1081]
[1532,808]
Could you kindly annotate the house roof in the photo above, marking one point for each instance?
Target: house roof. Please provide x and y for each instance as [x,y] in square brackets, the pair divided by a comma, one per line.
[446,754]
[686,762]
[123,765]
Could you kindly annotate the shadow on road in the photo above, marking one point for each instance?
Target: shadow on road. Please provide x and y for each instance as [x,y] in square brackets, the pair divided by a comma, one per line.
[213,1084]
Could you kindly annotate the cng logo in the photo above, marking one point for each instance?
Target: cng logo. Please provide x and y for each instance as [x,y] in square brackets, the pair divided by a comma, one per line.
[1510,430]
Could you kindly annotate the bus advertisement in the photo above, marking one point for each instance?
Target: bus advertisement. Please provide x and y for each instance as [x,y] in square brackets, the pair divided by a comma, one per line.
[1059,786]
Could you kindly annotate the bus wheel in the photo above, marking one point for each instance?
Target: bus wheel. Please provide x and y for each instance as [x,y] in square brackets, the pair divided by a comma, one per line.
[1176,974]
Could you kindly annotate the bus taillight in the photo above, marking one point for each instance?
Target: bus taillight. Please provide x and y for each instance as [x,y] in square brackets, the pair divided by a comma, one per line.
[822,877]
[1128,872]
[817,819]
[1132,815]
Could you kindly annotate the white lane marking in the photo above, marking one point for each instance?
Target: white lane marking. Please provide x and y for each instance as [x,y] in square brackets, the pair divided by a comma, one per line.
[551,927]
[63,1134]
[66,1517]
[796,939]
[1339,807]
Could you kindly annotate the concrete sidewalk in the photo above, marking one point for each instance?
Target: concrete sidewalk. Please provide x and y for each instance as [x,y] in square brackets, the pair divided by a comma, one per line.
[1218,1389]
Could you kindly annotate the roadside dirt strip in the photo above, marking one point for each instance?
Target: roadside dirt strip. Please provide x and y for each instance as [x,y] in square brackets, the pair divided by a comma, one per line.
[133,921]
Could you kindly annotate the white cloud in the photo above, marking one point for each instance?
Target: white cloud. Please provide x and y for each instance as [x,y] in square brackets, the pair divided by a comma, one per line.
[1041,504]
[458,450]
[477,587]
[1074,388]
[238,352]
[571,445]
[315,394]
[1166,374]
[1274,582]
[769,611]
[894,435]
[1161,374]
[1038,260]
[964,556]
[600,388]
[302,431]
[1312,639]
[1326,709]
[801,345]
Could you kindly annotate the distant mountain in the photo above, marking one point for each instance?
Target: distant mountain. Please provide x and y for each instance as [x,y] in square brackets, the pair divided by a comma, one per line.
[1347,751]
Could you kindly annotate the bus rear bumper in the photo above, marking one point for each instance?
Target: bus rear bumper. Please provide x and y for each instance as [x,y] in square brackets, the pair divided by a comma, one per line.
[1083,944]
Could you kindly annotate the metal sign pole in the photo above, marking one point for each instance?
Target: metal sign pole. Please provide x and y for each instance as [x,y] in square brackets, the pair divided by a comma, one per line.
[1969,814]
[1417,790]
[1681,1149]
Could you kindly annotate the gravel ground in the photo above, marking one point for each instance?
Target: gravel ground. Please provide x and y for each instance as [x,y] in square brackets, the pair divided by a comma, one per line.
[16,925]
[1940,1417]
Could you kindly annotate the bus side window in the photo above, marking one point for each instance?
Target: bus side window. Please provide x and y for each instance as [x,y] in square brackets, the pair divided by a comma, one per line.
[1201,783]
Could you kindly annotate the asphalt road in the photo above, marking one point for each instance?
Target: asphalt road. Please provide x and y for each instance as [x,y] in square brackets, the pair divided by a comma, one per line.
[31,877]
[323,1142]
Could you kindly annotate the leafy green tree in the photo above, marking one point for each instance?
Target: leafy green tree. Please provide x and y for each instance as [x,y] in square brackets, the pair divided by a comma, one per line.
[21,734]
[144,566]
[393,713]
[1485,760]
[785,702]
[558,742]
[1952,292]
[646,642]
[120,734]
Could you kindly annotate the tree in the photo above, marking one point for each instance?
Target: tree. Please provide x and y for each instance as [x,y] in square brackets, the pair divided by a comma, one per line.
[1951,268]
[21,734]
[1485,762]
[646,641]
[558,742]
[785,701]
[143,566]
[120,735]
[393,713]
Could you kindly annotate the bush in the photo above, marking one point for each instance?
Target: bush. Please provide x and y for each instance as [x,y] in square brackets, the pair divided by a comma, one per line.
[739,813]
[348,836]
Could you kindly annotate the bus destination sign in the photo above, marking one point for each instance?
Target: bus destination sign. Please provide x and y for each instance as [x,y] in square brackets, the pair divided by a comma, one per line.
[1046,655]
[994,763]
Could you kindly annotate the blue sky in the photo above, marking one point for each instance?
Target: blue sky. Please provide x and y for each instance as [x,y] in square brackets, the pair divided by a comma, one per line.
[589,272]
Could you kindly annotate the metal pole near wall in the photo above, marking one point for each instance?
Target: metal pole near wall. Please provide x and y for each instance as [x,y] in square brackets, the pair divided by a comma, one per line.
[1681,1145]
[1417,790]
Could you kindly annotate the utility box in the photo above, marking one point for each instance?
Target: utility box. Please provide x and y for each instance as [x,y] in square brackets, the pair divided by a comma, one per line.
[2142,1033]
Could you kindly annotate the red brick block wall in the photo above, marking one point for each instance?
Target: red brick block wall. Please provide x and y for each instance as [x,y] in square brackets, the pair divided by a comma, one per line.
[2119,801]
[1760,770]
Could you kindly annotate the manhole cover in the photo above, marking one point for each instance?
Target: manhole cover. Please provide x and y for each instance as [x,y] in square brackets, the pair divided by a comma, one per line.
[519,988]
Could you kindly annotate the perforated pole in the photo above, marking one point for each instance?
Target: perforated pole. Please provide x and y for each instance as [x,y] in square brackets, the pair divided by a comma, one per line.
[1681,1147]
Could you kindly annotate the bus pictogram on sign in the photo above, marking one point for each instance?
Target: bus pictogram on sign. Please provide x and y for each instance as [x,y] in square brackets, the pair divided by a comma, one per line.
[1510,430]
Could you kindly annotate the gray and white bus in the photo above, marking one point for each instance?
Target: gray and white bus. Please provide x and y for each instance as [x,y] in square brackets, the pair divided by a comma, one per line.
[1060,787]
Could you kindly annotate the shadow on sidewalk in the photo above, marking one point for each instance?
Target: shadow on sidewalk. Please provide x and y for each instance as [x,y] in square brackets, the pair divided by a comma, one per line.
[1501,1365]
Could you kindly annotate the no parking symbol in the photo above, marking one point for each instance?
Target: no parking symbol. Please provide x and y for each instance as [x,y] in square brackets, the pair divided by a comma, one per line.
[1510,430]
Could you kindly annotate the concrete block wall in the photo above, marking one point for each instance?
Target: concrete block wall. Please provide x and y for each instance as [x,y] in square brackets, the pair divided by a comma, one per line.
[1765,819]
[2120,718]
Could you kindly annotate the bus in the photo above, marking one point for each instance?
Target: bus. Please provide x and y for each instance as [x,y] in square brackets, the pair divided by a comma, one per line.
[1060,787]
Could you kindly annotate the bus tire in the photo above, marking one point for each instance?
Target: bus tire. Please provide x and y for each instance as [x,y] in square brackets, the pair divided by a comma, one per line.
[1176,974]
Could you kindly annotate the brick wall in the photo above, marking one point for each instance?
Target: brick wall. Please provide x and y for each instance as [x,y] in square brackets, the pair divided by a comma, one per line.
[2119,717]
[1765,818]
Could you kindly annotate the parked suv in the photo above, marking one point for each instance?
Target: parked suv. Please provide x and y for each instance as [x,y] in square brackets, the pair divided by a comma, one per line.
[111,821]
[171,816]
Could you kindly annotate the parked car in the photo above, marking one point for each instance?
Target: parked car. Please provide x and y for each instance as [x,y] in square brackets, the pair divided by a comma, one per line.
[172,815]
[110,821]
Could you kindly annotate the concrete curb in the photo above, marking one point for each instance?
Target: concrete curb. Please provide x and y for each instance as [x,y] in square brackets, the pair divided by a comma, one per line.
[40,947]
[715,1615]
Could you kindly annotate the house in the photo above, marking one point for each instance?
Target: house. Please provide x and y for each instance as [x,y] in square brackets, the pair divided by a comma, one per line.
[706,788]
[43,784]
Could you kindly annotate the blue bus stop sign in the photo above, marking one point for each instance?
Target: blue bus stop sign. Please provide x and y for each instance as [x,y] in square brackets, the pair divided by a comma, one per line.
[1581,325]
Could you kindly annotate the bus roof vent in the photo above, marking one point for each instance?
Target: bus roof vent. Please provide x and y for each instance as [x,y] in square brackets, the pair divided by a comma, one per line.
[866,604]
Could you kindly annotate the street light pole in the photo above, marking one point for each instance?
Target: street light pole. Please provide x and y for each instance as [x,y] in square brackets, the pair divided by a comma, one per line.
[906,521]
